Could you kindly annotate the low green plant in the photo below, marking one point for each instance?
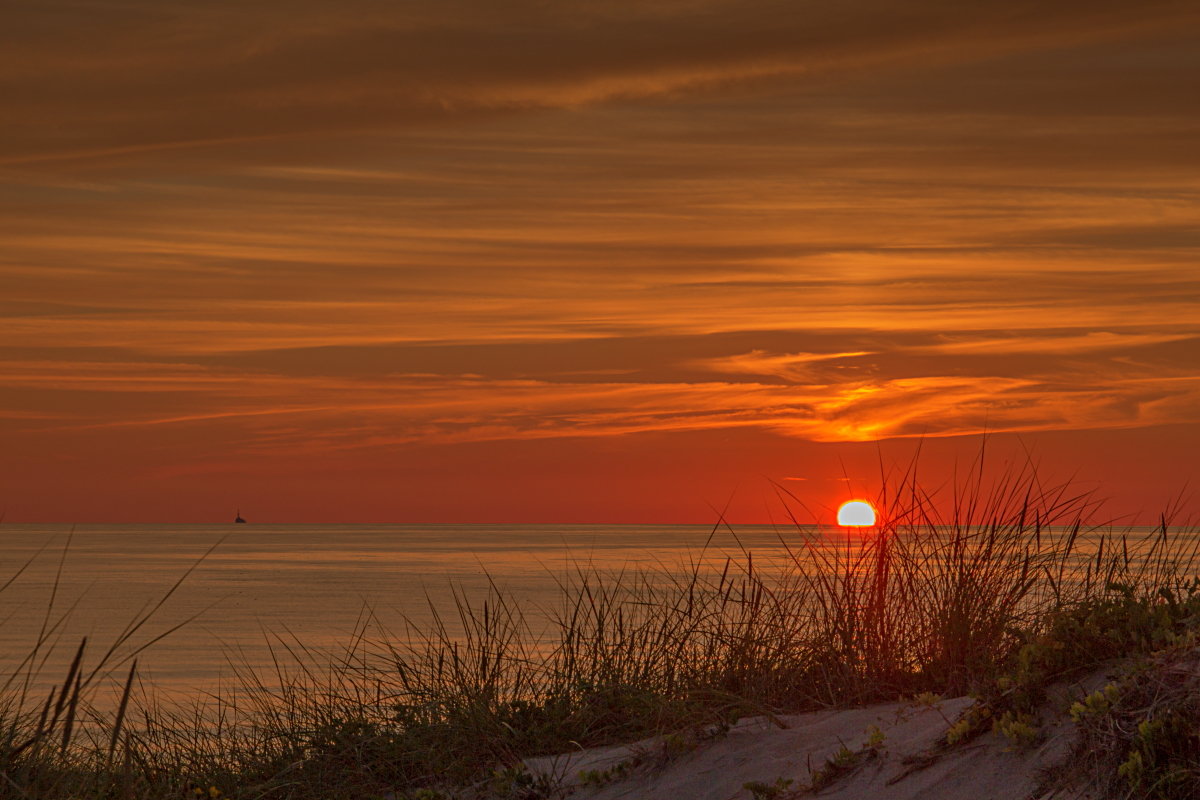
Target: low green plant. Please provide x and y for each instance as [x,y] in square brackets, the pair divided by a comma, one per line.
[602,777]
[970,724]
[1140,736]
[425,794]
[844,760]
[1098,702]
[677,744]
[925,700]
[778,790]
[837,765]
[518,783]
[875,738]
[1020,730]
[1118,620]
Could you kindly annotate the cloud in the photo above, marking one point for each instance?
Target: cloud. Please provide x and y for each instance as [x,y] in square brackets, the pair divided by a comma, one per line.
[1141,380]
[1062,344]
[153,75]
[794,367]
[311,227]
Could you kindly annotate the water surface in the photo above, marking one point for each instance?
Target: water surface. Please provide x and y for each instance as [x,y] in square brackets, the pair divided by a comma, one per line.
[310,582]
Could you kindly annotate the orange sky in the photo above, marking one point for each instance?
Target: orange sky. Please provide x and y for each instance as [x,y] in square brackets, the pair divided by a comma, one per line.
[588,261]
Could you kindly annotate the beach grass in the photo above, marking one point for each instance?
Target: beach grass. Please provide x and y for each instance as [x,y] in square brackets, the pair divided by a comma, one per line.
[999,586]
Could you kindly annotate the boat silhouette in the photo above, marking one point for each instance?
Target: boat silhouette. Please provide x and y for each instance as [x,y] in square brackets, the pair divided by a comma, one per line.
[239,516]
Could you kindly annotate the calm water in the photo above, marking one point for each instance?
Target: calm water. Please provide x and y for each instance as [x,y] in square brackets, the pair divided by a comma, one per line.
[312,582]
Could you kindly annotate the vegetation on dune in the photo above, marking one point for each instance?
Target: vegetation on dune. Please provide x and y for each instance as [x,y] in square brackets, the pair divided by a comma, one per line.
[1008,593]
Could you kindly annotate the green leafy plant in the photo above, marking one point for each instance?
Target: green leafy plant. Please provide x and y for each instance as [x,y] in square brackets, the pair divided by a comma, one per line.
[518,783]
[1019,729]
[603,777]
[837,765]
[1140,736]
[769,791]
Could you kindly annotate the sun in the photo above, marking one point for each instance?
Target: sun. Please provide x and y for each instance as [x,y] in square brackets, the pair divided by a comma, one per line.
[856,513]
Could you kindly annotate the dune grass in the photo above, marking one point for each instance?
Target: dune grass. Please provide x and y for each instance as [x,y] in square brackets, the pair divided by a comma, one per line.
[929,601]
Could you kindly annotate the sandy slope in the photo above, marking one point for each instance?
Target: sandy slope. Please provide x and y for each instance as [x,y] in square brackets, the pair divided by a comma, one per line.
[761,750]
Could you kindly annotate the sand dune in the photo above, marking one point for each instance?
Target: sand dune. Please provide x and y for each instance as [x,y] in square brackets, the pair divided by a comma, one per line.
[789,747]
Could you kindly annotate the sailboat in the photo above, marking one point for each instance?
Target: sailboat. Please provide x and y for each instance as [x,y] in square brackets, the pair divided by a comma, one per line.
[239,516]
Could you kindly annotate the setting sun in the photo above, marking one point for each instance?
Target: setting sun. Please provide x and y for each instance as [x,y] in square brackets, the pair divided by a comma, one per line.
[856,513]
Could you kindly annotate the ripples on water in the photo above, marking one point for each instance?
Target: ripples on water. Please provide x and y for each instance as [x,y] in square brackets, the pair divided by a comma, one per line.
[312,582]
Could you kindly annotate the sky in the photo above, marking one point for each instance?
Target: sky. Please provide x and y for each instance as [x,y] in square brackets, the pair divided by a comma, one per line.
[603,261]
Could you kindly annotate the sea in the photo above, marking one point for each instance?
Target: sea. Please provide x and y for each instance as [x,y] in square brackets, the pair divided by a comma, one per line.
[217,597]
[205,600]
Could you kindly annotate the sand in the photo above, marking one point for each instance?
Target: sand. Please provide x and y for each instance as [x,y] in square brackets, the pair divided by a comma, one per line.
[766,749]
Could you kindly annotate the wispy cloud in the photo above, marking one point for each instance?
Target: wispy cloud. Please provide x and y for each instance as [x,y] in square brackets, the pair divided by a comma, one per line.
[853,396]
[1062,344]
[149,74]
[794,367]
